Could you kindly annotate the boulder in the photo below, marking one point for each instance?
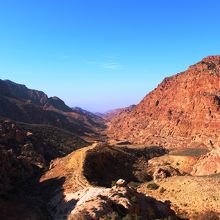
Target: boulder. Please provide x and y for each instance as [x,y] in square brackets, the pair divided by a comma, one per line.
[164,172]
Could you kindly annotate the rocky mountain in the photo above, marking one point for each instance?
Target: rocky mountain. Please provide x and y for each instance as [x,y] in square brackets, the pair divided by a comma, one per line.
[208,164]
[92,118]
[21,92]
[26,151]
[183,111]
[34,130]
[19,103]
[115,112]
[57,103]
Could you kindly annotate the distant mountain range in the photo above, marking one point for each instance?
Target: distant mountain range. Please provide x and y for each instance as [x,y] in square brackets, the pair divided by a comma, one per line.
[19,103]
[115,112]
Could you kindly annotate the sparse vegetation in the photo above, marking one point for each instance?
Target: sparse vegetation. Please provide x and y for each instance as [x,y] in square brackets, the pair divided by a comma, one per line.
[162,190]
[131,217]
[113,183]
[134,184]
[153,186]
[194,152]
[209,215]
[112,216]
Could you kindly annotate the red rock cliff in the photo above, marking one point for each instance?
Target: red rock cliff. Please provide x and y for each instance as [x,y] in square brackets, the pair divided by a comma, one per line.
[183,111]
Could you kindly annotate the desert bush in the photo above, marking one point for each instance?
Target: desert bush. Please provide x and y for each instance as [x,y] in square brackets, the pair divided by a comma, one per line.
[131,217]
[113,183]
[209,215]
[152,186]
[111,216]
[134,184]
[162,190]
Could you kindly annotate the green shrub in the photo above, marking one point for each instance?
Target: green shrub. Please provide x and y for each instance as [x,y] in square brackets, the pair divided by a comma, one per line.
[114,183]
[131,217]
[134,184]
[152,186]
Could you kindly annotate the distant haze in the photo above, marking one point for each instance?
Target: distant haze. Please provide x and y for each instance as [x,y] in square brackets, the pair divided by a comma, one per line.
[102,55]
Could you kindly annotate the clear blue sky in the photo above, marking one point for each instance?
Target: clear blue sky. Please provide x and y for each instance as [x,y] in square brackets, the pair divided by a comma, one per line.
[103,54]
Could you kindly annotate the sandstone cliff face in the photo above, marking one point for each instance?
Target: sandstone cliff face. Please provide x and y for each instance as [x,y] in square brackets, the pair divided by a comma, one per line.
[208,164]
[183,111]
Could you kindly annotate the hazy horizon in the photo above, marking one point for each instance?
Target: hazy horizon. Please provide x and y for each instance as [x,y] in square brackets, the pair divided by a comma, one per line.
[102,55]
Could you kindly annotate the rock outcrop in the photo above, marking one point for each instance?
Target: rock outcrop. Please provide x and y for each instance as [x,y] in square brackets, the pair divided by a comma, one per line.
[164,172]
[208,164]
[183,111]
[113,203]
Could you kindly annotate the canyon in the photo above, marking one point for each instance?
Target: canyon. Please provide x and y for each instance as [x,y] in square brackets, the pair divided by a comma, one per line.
[159,159]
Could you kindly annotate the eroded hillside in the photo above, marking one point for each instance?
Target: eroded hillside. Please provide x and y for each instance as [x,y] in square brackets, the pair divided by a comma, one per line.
[19,103]
[183,111]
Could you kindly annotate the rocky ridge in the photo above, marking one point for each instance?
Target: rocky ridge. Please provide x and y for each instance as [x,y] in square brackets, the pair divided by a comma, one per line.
[115,112]
[19,103]
[183,111]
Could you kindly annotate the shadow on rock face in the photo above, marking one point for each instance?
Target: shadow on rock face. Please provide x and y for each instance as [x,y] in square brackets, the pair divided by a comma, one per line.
[52,193]
[104,165]
[30,203]
[153,209]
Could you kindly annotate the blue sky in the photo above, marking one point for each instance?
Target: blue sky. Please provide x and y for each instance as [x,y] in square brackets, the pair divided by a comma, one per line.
[103,54]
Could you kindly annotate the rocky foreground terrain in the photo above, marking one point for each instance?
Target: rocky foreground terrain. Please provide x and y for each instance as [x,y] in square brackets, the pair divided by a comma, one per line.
[90,189]
[87,184]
